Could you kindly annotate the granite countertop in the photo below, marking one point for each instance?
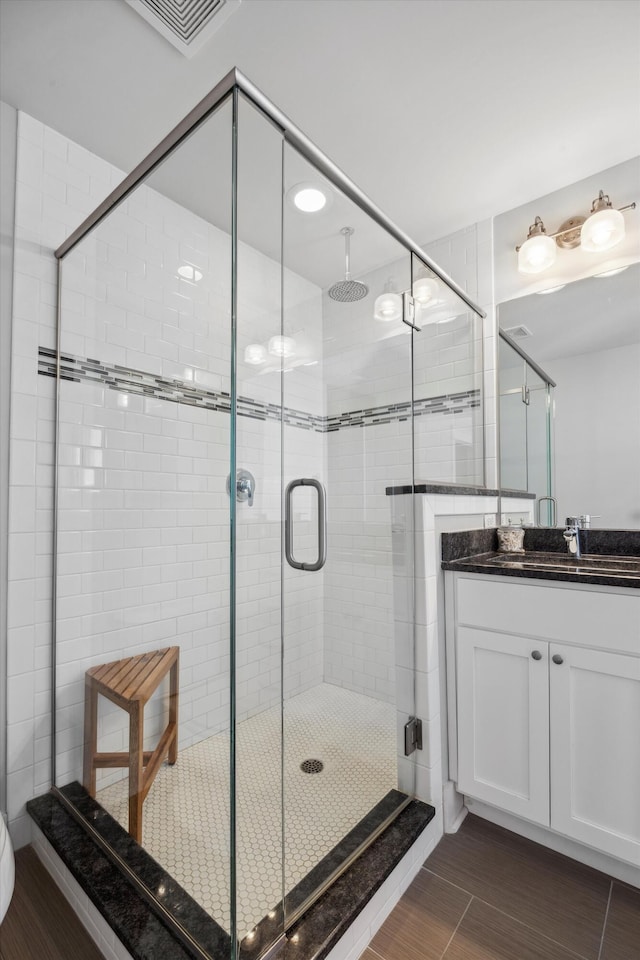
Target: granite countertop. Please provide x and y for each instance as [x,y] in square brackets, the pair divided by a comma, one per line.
[609,557]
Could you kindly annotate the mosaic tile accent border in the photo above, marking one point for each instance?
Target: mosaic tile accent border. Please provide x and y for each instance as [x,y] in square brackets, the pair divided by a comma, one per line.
[115,377]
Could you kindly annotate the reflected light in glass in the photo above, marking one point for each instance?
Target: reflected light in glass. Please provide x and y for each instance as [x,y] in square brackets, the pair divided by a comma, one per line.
[425,290]
[188,272]
[282,346]
[613,272]
[388,306]
[255,354]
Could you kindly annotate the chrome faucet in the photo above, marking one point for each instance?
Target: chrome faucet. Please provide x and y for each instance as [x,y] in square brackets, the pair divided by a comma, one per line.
[572,532]
[572,536]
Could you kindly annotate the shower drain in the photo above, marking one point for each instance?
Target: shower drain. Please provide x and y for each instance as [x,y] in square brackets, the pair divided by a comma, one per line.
[312,766]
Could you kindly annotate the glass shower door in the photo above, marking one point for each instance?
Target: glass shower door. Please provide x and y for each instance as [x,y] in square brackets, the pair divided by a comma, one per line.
[348,679]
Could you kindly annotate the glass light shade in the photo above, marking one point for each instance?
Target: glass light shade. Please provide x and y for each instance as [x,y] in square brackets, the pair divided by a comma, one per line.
[602,230]
[255,354]
[282,346]
[388,306]
[425,290]
[536,254]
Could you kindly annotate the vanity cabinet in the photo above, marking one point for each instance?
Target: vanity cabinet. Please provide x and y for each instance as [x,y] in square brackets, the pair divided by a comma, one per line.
[547,713]
[503,722]
[594,738]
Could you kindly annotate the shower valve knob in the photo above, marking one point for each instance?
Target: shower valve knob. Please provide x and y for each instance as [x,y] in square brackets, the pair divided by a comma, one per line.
[245,486]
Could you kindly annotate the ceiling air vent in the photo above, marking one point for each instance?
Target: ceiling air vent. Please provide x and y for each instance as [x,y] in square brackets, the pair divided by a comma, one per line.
[187,24]
[518,333]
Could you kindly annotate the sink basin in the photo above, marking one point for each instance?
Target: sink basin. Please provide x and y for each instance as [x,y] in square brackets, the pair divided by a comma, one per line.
[531,560]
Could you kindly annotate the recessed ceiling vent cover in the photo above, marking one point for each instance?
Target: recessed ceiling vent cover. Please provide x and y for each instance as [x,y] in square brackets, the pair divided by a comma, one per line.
[518,333]
[187,24]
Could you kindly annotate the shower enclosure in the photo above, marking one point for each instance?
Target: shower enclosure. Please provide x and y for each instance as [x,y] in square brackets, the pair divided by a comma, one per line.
[229,437]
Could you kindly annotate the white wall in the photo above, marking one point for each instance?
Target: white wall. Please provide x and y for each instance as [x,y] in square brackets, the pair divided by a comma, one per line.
[8,143]
[597,407]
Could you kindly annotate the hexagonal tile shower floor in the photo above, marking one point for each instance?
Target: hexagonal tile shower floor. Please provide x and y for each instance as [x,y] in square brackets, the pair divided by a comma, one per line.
[186,814]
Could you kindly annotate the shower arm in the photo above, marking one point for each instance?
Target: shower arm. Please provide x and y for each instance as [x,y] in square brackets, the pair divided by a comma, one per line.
[346,232]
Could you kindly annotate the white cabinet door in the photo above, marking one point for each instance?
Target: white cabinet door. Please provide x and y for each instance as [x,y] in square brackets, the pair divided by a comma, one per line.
[503,721]
[595,749]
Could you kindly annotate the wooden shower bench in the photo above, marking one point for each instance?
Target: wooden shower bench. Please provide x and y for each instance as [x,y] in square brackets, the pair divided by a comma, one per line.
[130,683]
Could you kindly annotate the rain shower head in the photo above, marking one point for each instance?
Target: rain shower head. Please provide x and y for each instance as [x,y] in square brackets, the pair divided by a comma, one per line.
[347,290]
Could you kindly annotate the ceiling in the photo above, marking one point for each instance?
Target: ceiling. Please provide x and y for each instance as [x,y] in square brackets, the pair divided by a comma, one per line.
[444,112]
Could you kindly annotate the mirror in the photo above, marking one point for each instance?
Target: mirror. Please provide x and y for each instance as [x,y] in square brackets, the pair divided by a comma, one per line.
[586,337]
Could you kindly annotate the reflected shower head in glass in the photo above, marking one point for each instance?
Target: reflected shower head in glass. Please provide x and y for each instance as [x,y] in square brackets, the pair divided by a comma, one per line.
[347,290]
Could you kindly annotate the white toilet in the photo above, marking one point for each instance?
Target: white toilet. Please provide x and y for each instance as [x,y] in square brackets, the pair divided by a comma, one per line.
[7,870]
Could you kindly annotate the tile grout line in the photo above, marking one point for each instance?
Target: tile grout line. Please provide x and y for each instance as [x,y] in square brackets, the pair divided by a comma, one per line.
[579,956]
[457,926]
[606,917]
[527,926]
[434,874]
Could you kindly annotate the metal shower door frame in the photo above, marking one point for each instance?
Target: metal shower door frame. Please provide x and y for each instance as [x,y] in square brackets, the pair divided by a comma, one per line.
[236,81]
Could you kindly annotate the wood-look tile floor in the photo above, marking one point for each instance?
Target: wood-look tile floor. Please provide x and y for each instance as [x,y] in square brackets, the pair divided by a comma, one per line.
[40,924]
[487,894]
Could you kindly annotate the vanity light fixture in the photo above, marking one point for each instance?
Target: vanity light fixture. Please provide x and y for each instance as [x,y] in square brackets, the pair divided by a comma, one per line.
[604,227]
[388,305]
[538,252]
[601,230]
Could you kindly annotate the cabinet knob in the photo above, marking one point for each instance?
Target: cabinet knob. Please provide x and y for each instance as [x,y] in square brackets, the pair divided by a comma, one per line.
[557,658]
[536,655]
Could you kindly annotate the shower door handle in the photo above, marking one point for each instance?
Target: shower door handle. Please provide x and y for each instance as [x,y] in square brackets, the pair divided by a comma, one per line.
[322,525]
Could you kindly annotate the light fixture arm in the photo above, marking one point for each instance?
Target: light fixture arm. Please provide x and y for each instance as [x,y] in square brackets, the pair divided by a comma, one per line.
[595,206]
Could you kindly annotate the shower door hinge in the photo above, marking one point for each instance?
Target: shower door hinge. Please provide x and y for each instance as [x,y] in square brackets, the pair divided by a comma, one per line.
[412,735]
[526,397]
[409,312]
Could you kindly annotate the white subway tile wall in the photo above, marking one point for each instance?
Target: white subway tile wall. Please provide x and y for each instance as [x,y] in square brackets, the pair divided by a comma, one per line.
[57,183]
[143,478]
